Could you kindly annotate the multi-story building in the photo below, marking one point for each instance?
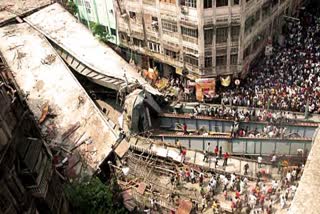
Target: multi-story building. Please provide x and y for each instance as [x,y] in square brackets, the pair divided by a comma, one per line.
[28,182]
[207,38]
[99,12]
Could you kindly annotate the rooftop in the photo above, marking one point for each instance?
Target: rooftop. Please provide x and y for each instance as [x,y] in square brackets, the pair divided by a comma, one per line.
[66,113]
[66,31]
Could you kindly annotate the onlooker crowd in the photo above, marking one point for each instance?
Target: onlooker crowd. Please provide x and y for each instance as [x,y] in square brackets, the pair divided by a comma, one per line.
[290,78]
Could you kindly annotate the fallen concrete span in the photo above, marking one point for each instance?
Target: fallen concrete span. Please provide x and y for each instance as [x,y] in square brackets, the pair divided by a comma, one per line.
[84,53]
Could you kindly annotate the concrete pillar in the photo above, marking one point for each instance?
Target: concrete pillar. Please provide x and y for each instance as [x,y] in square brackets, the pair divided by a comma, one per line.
[200,10]
[229,37]
[214,21]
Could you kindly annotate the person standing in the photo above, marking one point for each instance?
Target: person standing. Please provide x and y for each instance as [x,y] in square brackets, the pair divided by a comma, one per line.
[201,178]
[192,176]
[273,160]
[246,167]
[216,150]
[183,154]
[225,159]
[203,203]
[184,128]
[206,153]
[178,144]
[220,152]
[259,161]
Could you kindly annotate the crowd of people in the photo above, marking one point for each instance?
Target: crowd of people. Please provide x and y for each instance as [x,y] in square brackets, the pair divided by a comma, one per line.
[290,78]
[243,115]
[242,195]
[270,131]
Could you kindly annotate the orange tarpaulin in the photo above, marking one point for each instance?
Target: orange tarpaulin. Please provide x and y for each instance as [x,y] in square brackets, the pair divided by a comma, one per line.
[151,74]
[205,87]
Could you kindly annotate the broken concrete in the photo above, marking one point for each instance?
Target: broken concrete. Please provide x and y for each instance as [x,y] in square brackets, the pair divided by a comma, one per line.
[61,91]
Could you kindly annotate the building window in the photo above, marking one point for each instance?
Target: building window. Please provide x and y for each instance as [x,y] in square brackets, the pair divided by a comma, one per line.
[154,23]
[132,15]
[154,46]
[189,32]
[87,6]
[234,59]
[137,42]
[247,52]
[249,23]
[170,53]
[189,3]
[208,36]
[168,1]
[236,2]
[192,60]
[222,3]
[222,35]
[168,26]
[190,50]
[221,60]
[208,62]
[113,31]
[207,3]
[235,30]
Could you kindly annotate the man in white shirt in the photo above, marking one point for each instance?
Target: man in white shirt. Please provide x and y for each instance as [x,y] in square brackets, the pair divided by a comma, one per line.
[259,161]
[273,160]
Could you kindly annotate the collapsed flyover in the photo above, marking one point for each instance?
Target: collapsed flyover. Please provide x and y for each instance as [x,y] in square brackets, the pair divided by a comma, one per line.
[89,57]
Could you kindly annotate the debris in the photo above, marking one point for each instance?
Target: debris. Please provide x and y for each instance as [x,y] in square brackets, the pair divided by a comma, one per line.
[184,207]
[141,188]
[19,19]
[71,130]
[62,162]
[128,200]
[122,149]
[20,54]
[79,138]
[80,143]
[45,111]
[80,101]
[49,59]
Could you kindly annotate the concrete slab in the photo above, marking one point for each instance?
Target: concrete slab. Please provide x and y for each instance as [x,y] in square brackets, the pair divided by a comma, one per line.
[24,51]
[190,157]
[66,31]
[14,8]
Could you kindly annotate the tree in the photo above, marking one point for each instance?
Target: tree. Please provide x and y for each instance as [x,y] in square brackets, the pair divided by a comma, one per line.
[72,7]
[95,197]
[100,31]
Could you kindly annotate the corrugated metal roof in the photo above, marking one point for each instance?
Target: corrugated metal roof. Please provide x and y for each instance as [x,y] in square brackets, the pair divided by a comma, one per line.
[67,32]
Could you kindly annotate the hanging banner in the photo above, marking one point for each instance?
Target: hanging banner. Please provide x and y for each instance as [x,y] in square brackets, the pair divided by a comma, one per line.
[225,81]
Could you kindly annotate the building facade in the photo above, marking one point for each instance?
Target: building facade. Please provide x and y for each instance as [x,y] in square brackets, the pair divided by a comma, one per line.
[28,182]
[206,38]
[100,12]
